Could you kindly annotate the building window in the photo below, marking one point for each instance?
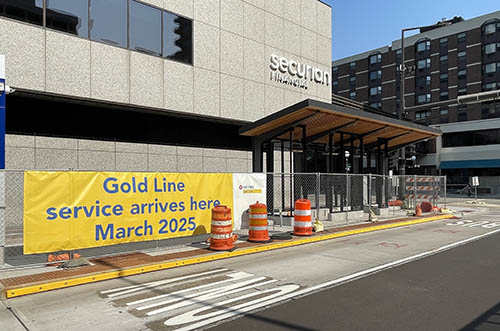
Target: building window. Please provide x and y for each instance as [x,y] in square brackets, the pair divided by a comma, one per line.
[108,21]
[376,90]
[424,46]
[443,43]
[489,86]
[462,74]
[352,80]
[145,28]
[374,75]
[424,81]
[68,16]
[462,91]
[177,38]
[335,70]
[443,78]
[30,11]
[443,95]
[490,48]
[424,98]
[443,59]
[398,53]
[491,68]
[425,63]
[376,105]
[443,112]
[461,37]
[490,28]
[335,83]
[352,95]
[461,55]
[352,65]
[375,58]
[422,115]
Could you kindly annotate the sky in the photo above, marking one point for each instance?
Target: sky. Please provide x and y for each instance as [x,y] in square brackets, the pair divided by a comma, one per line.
[362,25]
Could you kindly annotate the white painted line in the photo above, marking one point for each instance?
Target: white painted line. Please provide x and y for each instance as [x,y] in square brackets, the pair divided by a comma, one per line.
[210,296]
[134,288]
[289,293]
[234,276]
[225,312]
[199,295]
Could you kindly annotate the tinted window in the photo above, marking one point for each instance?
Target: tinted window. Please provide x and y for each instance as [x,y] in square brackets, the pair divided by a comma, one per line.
[177,38]
[376,58]
[145,28]
[490,28]
[423,46]
[443,77]
[462,74]
[69,16]
[490,67]
[461,37]
[490,48]
[30,11]
[108,21]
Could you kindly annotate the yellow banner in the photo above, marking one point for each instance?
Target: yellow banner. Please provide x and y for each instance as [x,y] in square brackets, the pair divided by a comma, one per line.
[74,210]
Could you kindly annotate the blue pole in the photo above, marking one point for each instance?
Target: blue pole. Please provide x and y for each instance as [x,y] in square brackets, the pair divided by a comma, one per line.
[2,112]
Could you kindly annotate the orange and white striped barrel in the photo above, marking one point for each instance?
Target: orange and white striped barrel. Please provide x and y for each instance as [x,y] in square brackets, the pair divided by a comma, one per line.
[258,223]
[221,238]
[302,224]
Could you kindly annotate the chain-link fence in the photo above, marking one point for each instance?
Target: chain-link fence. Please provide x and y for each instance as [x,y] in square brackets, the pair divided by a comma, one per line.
[337,198]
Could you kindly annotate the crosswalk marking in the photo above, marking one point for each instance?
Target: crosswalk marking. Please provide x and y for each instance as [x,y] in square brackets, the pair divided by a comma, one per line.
[130,289]
[233,277]
[200,299]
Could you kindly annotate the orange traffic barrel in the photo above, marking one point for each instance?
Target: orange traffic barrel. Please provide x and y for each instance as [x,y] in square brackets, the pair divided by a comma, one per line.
[302,224]
[258,223]
[221,238]
[418,211]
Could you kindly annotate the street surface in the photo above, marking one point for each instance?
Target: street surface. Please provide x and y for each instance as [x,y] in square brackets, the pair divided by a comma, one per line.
[441,275]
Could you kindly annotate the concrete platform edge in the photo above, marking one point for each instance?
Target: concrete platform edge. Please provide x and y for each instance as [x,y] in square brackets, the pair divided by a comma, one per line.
[91,278]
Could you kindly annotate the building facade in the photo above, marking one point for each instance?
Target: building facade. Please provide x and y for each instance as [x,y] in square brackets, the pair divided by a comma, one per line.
[462,58]
[155,85]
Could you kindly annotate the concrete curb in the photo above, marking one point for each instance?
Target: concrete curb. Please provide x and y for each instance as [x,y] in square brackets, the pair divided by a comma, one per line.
[91,278]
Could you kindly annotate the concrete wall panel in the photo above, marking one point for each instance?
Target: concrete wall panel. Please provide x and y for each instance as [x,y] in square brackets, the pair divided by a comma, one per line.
[184,8]
[146,80]
[206,92]
[109,82]
[68,64]
[232,16]
[231,54]
[24,49]
[178,89]
[207,11]
[206,46]
[231,103]
[253,23]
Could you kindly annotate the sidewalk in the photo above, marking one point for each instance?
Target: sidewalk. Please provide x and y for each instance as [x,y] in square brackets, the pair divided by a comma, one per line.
[23,282]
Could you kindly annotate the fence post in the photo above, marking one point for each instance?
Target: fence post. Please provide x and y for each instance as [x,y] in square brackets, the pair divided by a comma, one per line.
[369,193]
[416,191]
[445,191]
[318,183]
[2,218]
[348,201]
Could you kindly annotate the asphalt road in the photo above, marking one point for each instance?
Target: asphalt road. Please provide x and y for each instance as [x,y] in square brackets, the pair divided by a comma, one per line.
[445,291]
[458,289]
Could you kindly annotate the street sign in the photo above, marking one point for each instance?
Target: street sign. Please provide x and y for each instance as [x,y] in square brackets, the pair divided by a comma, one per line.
[475,181]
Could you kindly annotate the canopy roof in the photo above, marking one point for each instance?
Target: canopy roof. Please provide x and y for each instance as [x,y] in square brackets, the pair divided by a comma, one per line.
[317,120]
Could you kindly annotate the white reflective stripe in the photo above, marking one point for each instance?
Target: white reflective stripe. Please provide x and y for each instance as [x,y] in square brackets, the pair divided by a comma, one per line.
[221,236]
[221,223]
[301,212]
[259,216]
[302,224]
[257,228]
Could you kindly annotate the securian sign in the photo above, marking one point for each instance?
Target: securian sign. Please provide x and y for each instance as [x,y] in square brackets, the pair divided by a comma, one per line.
[295,73]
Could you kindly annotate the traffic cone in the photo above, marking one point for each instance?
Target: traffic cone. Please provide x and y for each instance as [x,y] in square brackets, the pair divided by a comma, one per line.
[418,211]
